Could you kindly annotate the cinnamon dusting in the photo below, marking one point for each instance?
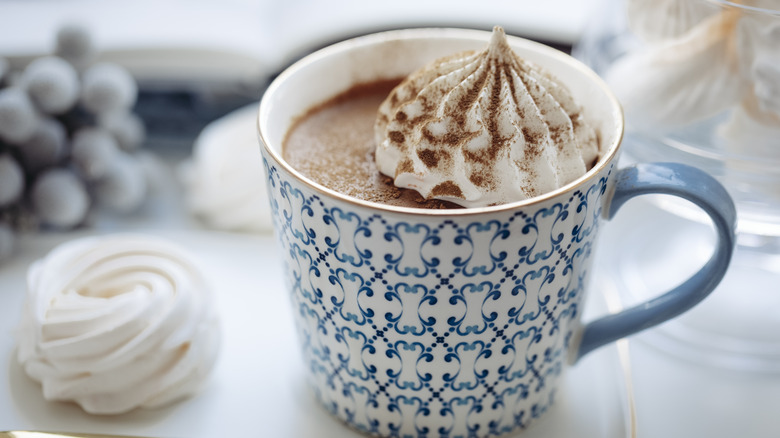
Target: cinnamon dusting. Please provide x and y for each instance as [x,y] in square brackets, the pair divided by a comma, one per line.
[429,157]
[396,136]
[447,188]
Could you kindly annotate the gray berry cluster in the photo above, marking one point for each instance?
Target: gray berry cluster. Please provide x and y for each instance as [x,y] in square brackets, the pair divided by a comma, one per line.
[69,140]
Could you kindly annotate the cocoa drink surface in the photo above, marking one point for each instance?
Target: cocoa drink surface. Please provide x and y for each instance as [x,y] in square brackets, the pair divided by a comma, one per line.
[333,145]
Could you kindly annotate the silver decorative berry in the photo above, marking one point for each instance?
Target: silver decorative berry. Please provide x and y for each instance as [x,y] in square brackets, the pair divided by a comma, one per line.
[124,187]
[107,88]
[18,117]
[46,147]
[75,45]
[11,180]
[7,241]
[60,199]
[92,151]
[52,84]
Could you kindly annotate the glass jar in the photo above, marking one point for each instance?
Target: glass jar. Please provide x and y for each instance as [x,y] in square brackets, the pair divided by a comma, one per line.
[699,81]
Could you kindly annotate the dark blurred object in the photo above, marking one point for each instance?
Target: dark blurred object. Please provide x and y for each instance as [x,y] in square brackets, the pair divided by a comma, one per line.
[182,90]
[175,115]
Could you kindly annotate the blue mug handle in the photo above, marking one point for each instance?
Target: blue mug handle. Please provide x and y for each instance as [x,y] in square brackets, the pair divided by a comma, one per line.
[703,190]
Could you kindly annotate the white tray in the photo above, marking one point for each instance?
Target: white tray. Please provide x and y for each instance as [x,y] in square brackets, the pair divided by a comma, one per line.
[258,386]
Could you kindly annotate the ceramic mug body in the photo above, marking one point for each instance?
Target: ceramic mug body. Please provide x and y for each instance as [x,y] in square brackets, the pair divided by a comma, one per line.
[447,322]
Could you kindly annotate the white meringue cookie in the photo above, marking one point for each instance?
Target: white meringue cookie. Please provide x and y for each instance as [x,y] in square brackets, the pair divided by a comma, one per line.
[681,81]
[117,322]
[481,129]
[697,65]
[224,181]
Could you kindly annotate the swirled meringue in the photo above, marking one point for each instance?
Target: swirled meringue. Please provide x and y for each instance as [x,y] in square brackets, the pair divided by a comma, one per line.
[482,129]
[702,59]
[682,80]
[117,322]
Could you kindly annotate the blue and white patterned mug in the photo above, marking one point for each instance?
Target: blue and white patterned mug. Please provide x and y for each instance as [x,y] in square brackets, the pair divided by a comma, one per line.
[456,322]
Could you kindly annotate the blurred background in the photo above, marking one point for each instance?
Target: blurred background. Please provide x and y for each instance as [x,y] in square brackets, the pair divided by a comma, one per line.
[699,79]
[195,60]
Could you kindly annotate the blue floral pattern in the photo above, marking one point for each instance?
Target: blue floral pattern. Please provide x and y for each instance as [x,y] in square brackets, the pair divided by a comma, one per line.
[426,326]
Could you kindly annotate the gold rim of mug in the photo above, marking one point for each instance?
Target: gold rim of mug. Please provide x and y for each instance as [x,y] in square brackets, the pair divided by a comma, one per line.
[437,33]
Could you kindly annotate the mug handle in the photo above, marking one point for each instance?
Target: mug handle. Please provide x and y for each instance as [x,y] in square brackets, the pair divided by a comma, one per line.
[704,191]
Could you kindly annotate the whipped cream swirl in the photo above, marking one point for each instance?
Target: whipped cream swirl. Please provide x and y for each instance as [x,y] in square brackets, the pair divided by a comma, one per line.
[481,129]
[117,322]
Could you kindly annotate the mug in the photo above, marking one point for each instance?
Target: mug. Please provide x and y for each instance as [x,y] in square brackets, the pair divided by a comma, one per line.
[456,322]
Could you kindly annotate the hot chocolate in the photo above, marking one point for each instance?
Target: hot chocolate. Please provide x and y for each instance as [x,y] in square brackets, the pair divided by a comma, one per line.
[333,144]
